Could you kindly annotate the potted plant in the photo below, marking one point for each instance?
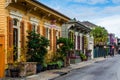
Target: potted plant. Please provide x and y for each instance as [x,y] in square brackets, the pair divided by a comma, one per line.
[44,66]
[65,45]
[88,54]
[83,57]
[14,69]
[60,64]
[37,49]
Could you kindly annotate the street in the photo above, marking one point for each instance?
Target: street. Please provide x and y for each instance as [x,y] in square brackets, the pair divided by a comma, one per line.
[108,69]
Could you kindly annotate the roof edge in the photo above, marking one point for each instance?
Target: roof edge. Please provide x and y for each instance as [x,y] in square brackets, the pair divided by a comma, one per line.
[36,1]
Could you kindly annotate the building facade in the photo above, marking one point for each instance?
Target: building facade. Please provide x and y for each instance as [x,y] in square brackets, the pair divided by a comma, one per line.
[80,35]
[19,16]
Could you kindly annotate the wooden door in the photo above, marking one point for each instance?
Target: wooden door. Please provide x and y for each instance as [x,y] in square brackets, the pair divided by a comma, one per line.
[2,56]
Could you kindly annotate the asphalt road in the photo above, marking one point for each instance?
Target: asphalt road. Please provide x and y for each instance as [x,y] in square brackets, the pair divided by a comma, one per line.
[108,69]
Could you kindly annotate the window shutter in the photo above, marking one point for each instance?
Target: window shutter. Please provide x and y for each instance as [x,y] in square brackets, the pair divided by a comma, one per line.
[59,34]
[75,41]
[54,40]
[50,39]
[44,31]
[38,29]
[78,42]
[22,34]
[29,26]
[10,39]
[83,44]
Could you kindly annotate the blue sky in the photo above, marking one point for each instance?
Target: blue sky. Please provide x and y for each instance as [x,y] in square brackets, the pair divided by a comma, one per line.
[105,13]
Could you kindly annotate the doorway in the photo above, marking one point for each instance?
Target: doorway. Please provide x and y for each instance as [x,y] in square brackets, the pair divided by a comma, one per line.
[2,56]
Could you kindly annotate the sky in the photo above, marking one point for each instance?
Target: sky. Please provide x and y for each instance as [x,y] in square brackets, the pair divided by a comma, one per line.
[105,13]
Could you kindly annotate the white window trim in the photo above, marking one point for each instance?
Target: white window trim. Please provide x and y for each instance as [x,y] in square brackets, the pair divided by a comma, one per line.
[48,25]
[34,21]
[48,37]
[17,15]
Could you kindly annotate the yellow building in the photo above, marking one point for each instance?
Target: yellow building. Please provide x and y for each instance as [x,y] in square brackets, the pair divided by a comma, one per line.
[18,16]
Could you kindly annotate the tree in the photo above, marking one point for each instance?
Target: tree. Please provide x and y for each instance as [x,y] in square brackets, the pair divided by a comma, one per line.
[37,47]
[100,35]
[65,45]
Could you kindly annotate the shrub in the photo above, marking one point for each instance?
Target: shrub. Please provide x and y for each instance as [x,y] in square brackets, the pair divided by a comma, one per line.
[83,56]
[37,47]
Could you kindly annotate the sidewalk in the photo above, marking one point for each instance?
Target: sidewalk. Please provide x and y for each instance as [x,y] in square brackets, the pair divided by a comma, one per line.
[51,74]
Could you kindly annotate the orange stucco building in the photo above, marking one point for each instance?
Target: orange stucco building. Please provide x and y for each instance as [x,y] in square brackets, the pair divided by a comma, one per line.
[19,16]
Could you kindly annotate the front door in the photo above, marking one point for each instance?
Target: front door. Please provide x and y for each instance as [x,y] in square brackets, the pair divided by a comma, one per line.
[2,56]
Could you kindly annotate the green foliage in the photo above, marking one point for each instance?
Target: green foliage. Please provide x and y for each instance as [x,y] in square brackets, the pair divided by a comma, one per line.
[60,64]
[36,46]
[44,65]
[83,56]
[65,46]
[100,34]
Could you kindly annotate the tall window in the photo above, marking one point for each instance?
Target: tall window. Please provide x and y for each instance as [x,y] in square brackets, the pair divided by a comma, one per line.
[48,36]
[15,38]
[47,33]
[34,27]
[15,22]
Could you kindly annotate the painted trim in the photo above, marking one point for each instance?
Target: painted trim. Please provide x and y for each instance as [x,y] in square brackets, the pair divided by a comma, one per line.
[34,21]
[48,25]
[16,14]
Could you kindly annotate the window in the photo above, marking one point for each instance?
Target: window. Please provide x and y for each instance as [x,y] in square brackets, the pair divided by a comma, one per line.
[48,36]
[48,33]
[15,38]
[34,27]
[15,22]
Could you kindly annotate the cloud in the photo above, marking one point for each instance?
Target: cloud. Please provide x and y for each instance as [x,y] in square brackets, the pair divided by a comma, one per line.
[106,14]
[116,1]
[111,23]
[90,1]
[111,10]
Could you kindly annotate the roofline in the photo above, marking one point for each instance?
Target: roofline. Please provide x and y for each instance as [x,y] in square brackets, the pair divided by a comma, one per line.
[78,22]
[51,9]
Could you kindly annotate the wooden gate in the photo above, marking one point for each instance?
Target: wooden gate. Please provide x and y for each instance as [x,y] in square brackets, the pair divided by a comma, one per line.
[2,56]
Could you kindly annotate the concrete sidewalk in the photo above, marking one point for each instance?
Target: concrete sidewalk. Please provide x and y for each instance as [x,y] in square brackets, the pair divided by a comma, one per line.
[51,74]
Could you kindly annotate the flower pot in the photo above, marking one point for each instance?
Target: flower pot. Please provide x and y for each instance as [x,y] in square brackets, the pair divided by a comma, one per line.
[15,72]
[44,68]
[39,68]
[49,67]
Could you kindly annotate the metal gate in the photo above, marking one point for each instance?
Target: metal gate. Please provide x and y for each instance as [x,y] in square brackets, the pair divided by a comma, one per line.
[99,52]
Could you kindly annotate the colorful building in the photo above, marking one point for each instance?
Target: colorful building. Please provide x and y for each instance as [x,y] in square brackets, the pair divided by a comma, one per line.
[112,43]
[19,16]
[80,35]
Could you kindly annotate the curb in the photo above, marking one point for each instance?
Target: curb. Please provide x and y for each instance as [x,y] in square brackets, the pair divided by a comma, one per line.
[90,62]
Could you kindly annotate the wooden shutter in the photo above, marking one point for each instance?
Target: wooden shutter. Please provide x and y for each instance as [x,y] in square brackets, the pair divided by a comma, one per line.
[59,34]
[75,42]
[83,44]
[29,26]
[10,39]
[38,29]
[44,31]
[50,39]
[78,45]
[54,40]
[22,34]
